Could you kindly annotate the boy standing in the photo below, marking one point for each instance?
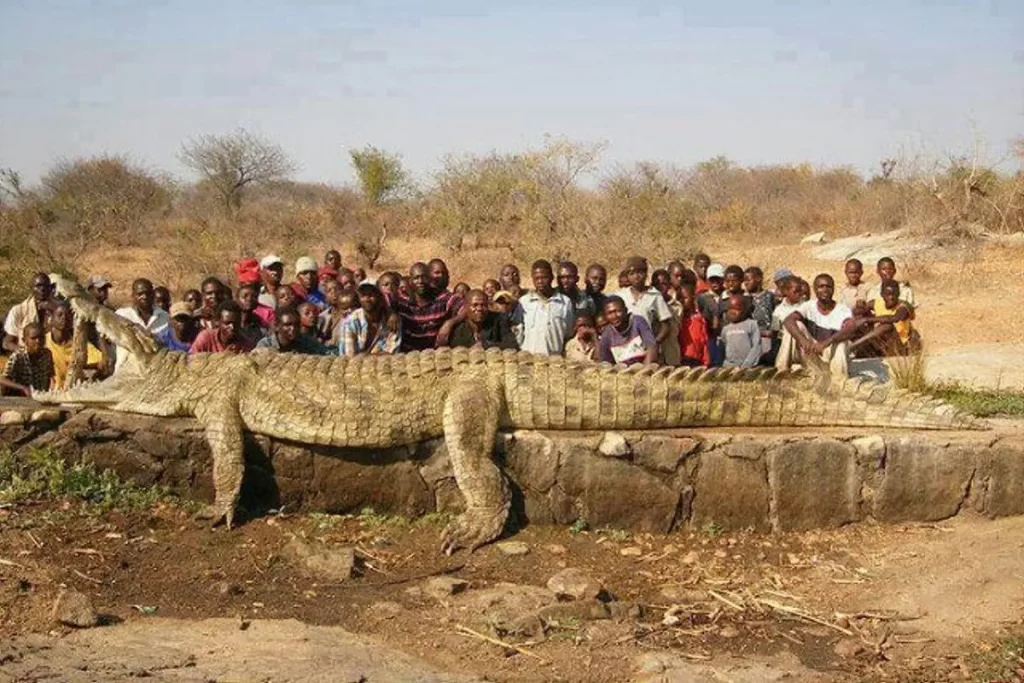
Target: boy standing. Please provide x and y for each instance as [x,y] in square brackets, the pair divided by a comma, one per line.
[710,305]
[855,292]
[583,347]
[693,330]
[741,336]
[762,306]
[887,273]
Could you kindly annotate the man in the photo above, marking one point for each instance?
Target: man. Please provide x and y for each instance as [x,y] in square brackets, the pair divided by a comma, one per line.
[543,318]
[509,279]
[287,337]
[480,326]
[142,312]
[597,278]
[254,319]
[227,337]
[34,309]
[214,294]
[568,284]
[30,366]
[99,287]
[424,311]
[439,277]
[332,259]
[60,343]
[820,327]
[701,262]
[647,302]
[271,273]
[305,284]
[182,329]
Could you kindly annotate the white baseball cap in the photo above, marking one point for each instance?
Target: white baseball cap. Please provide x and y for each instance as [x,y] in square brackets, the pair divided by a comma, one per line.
[716,270]
[306,264]
[271,260]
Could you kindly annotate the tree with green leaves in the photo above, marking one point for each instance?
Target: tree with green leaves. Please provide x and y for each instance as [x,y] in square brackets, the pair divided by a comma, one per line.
[381,175]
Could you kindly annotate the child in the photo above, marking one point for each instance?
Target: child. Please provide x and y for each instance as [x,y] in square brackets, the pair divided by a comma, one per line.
[693,330]
[791,299]
[887,273]
[892,332]
[193,298]
[309,316]
[762,306]
[710,305]
[669,353]
[583,347]
[30,367]
[741,336]
[855,292]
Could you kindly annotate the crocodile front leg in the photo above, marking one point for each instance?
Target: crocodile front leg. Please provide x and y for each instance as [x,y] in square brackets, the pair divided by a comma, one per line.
[471,414]
[223,426]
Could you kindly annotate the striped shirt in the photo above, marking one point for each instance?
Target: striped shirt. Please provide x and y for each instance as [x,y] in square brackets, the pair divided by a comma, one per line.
[27,371]
[420,324]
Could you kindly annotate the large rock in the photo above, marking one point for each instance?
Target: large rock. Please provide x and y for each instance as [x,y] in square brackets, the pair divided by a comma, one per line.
[613,492]
[387,481]
[328,563]
[1004,480]
[575,584]
[923,480]
[663,453]
[731,493]
[814,484]
[73,608]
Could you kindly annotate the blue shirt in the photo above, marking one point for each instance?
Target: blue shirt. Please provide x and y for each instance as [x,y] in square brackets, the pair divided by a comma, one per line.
[166,337]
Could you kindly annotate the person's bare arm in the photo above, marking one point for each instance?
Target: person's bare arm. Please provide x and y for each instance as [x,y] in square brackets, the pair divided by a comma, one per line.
[445,333]
[10,343]
[792,325]
[901,314]
[14,386]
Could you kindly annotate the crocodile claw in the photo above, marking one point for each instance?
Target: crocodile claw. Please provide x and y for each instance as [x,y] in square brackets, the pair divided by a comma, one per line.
[216,514]
[473,529]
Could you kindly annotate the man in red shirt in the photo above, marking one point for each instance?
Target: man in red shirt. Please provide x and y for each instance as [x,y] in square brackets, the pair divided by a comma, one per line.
[225,336]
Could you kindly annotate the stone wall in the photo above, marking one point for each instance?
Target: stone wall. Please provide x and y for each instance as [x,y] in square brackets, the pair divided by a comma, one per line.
[778,480]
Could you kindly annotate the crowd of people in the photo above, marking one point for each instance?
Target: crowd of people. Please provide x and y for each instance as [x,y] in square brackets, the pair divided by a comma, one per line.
[705,314]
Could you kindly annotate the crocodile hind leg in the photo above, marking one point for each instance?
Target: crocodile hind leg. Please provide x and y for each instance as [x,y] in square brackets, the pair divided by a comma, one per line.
[471,414]
[223,428]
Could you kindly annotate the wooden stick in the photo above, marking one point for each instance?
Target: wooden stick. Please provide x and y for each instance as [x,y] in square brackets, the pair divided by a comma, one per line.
[786,609]
[33,539]
[721,598]
[87,578]
[466,631]
[10,563]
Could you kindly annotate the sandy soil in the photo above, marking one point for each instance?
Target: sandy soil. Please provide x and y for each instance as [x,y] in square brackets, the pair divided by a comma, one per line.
[863,603]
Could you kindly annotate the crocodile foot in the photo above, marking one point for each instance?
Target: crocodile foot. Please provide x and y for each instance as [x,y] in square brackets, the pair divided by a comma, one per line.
[216,514]
[473,529]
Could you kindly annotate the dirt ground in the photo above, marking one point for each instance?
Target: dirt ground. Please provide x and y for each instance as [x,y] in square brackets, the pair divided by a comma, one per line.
[181,602]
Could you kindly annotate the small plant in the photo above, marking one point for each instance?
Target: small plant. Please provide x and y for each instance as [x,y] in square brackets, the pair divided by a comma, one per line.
[618,535]
[372,519]
[981,402]
[713,529]
[40,473]
[323,521]
[579,526]
[999,662]
[439,519]
[908,372]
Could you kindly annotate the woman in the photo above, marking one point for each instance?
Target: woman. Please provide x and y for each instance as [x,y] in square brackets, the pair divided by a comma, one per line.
[627,338]
[372,328]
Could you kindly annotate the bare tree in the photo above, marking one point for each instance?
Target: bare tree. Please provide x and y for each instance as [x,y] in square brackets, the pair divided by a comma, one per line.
[230,163]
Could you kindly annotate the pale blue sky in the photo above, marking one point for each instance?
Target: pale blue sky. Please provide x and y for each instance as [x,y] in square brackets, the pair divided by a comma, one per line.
[761,82]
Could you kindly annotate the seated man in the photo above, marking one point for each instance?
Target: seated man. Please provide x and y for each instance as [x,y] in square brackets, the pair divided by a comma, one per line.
[31,366]
[820,327]
[480,326]
[892,333]
[286,336]
[227,336]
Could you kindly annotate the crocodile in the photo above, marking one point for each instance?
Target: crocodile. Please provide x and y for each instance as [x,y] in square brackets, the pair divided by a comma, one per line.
[464,395]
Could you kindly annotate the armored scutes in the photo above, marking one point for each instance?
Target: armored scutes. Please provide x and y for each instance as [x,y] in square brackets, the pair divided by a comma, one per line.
[465,395]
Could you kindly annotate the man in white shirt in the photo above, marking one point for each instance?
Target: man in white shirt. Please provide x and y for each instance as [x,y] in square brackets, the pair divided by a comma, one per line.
[820,327]
[543,318]
[142,312]
[32,310]
[646,302]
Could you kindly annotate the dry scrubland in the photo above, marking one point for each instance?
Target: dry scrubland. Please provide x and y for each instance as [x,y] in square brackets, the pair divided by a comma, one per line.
[110,215]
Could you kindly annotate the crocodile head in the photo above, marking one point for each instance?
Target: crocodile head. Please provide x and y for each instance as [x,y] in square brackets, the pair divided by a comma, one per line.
[141,347]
